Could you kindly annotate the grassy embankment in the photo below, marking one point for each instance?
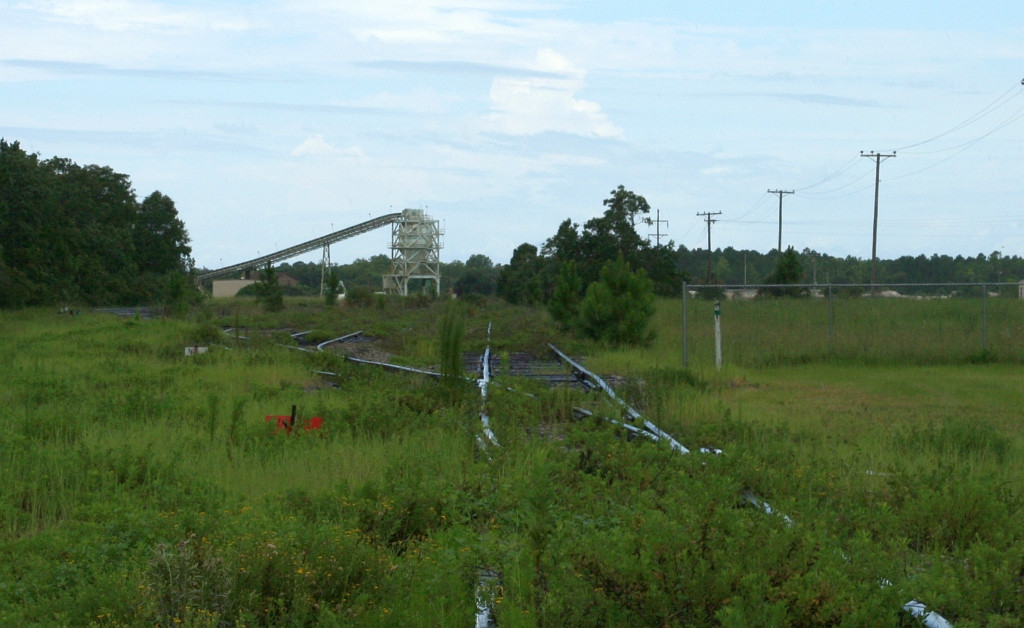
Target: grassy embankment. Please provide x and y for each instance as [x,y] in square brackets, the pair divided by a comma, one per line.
[145,486]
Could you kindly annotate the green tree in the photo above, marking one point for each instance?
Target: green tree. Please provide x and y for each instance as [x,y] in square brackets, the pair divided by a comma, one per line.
[478,276]
[26,204]
[365,272]
[564,305]
[520,281]
[269,290]
[618,308]
[606,237]
[788,270]
[332,287]
[159,237]
[660,264]
[625,205]
[92,229]
[162,254]
[75,233]
[565,244]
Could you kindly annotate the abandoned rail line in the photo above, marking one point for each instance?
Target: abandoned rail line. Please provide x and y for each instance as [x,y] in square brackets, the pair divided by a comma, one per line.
[635,425]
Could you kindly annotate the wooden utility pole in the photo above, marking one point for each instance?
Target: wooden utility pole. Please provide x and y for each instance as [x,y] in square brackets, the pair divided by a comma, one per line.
[878,157]
[781,193]
[709,220]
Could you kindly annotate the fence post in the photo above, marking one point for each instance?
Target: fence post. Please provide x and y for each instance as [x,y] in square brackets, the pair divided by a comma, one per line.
[831,321]
[984,318]
[718,336]
[686,357]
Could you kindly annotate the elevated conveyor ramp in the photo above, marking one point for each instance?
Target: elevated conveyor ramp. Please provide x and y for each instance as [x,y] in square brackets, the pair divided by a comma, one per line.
[305,247]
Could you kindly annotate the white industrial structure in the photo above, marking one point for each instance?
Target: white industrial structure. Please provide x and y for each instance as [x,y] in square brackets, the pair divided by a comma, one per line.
[415,253]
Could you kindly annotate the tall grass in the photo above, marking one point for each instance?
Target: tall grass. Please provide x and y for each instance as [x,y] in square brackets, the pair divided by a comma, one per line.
[147,487]
[768,332]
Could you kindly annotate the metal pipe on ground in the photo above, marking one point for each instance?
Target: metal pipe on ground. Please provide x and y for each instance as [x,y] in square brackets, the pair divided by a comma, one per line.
[915,608]
[345,338]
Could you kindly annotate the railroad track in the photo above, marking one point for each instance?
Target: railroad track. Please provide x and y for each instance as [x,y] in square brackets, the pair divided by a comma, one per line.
[633,422]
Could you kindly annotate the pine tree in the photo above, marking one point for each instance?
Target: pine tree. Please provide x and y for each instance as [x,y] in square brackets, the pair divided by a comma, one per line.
[564,305]
[788,270]
[332,287]
[270,293]
[617,309]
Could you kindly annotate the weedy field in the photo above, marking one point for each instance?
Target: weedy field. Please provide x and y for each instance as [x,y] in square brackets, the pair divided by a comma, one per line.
[145,487]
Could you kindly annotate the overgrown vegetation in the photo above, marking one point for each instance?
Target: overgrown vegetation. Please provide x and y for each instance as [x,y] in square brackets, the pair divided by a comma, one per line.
[269,291]
[146,487]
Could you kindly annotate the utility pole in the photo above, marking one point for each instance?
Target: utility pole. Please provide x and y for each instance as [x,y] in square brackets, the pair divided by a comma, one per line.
[781,193]
[878,157]
[657,227]
[709,220]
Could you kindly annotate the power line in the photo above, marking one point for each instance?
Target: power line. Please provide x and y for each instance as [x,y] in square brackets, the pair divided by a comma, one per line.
[829,177]
[992,106]
[1017,115]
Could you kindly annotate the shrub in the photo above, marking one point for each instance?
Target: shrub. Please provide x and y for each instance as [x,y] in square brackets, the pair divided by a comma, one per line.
[618,308]
[359,296]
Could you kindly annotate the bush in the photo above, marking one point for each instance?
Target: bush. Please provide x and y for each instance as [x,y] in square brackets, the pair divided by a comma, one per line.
[359,296]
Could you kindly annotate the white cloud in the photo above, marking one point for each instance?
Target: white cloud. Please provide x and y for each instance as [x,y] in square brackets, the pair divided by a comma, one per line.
[713,170]
[529,106]
[315,145]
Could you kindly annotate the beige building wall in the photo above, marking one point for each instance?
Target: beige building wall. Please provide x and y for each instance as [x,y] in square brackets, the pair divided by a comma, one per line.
[229,287]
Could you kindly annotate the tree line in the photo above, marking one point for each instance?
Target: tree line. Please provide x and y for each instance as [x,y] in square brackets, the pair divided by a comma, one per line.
[731,266]
[532,275]
[72,234]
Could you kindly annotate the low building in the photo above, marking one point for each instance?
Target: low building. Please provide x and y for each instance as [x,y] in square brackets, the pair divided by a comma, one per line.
[231,287]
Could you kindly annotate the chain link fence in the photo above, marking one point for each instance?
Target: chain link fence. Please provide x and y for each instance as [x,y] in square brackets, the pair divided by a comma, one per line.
[938,323]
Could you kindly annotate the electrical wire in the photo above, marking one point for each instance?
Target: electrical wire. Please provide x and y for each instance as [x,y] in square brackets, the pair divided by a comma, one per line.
[846,166]
[831,193]
[1003,99]
[1017,115]
[755,207]
[991,107]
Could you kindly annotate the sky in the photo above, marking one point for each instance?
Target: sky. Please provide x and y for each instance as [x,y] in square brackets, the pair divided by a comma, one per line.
[273,122]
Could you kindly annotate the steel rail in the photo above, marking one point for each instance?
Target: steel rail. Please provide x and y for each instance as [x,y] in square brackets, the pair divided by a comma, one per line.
[915,608]
[633,414]
[305,247]
[345,338]
[486,577]
[393,367]
[483,383]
